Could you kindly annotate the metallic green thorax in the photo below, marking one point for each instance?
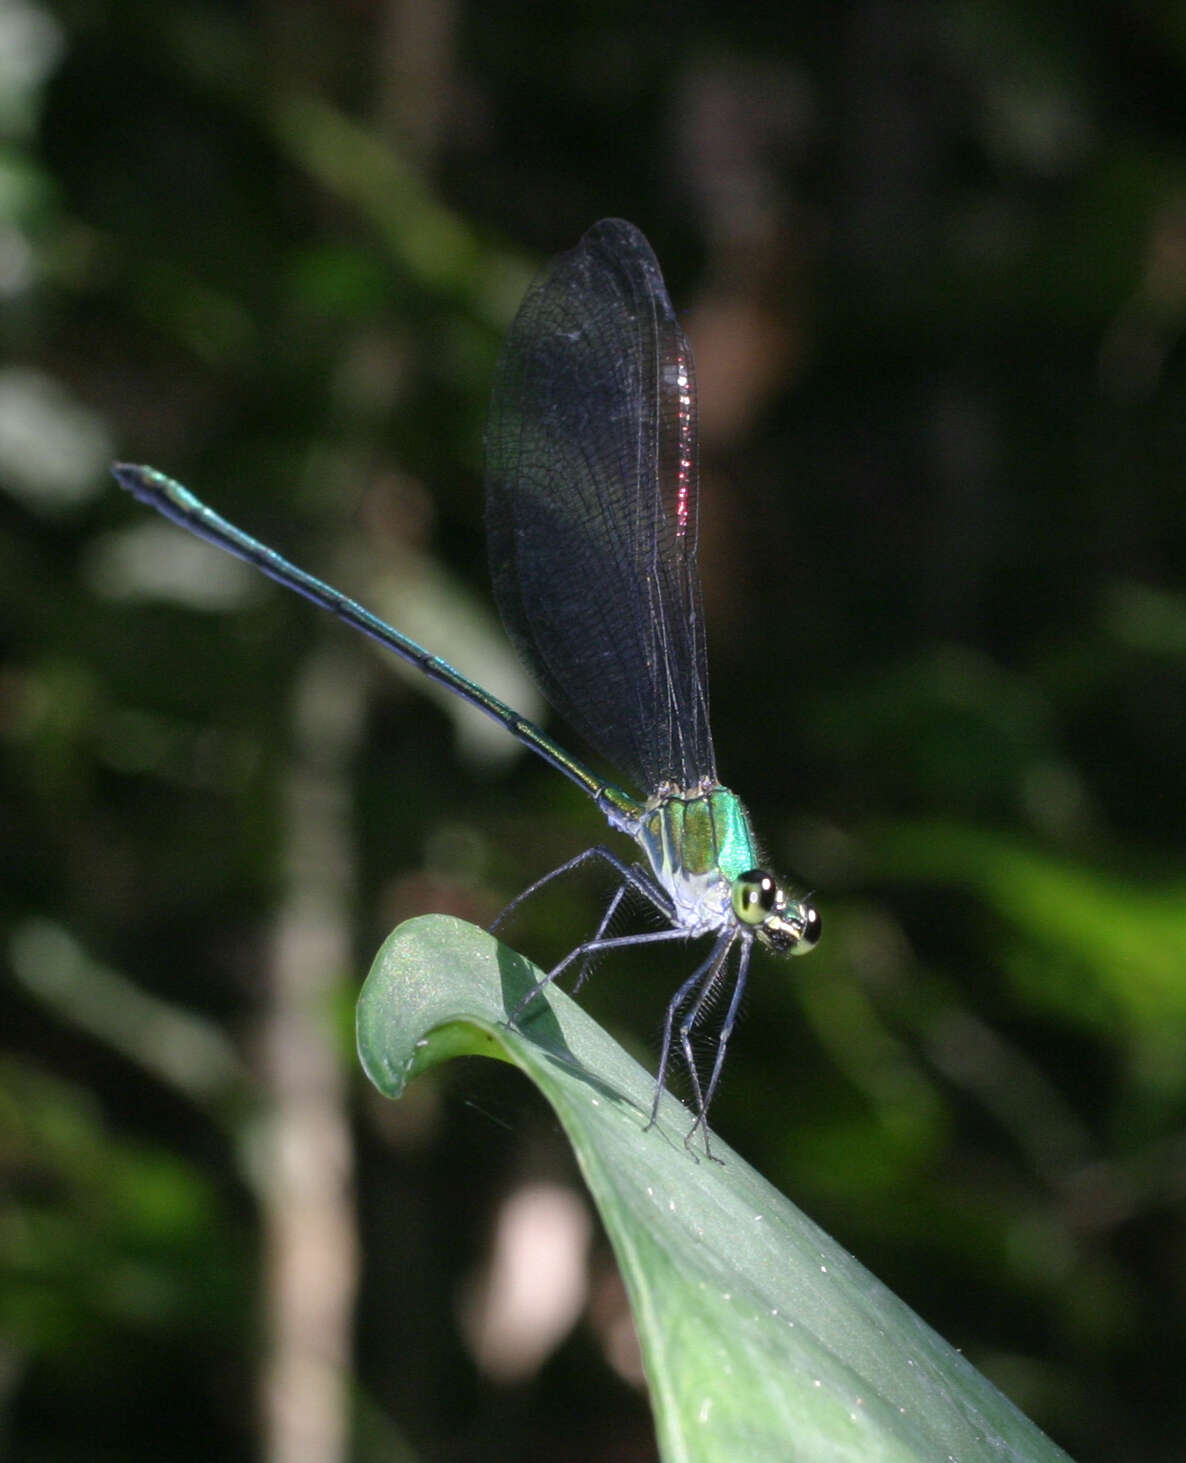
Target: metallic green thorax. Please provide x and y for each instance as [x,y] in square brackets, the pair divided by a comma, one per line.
[701,834]
[697,844]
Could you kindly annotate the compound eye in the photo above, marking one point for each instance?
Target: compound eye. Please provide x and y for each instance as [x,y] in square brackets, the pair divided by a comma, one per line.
[813,927]
[755,895]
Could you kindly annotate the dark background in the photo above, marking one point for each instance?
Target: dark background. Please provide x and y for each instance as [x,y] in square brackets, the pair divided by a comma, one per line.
[932,260]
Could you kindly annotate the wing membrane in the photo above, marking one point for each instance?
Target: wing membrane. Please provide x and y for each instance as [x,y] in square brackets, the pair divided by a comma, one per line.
[592,508]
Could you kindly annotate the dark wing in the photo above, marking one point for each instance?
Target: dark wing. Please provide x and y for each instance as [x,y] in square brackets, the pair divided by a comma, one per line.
[591,506]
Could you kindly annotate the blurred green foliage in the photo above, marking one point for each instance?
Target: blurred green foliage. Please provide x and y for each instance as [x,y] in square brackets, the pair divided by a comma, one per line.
[933,263]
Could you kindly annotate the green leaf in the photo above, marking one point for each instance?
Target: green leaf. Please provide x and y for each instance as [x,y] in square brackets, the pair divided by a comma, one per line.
[761,1337]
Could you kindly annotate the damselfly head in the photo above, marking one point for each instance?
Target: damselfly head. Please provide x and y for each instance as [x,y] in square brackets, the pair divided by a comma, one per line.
[786,926]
